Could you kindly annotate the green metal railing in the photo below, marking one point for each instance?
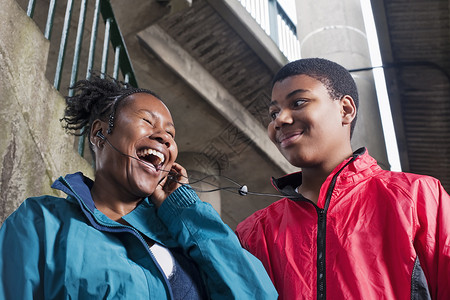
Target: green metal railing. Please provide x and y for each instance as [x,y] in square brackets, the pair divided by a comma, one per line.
[112,38]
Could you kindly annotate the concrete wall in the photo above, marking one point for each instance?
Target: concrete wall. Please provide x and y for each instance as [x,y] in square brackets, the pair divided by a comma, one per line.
[335,30]
[34,149]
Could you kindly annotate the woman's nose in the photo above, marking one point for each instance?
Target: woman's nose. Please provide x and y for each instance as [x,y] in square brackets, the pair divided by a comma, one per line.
[163,137]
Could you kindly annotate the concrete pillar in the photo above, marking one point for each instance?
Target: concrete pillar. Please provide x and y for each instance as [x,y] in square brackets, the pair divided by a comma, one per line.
[202,171]
[335,30]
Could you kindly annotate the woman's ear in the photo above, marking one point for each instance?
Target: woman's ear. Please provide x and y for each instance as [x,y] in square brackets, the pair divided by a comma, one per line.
[96,136]
[348,110]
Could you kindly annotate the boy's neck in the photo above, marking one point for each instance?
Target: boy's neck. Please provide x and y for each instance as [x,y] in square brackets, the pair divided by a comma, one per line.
[314,177]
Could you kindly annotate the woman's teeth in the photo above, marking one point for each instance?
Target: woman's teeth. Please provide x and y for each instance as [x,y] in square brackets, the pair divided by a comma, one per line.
[147,152]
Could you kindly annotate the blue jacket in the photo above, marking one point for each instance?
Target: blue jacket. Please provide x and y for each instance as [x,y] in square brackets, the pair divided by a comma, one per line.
[56,248]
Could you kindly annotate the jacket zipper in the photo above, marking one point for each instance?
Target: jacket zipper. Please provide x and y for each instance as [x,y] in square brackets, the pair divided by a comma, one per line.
[321,236]
[124,228]
[321,226]
[133,231]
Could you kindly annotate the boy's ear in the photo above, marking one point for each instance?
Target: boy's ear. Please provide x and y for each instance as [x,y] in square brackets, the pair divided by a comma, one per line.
[348,110]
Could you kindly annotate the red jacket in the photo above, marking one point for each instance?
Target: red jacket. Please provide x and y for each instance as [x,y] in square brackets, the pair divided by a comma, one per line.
[363,240]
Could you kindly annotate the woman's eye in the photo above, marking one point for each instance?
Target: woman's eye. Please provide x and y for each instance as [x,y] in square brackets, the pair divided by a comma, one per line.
[148,121]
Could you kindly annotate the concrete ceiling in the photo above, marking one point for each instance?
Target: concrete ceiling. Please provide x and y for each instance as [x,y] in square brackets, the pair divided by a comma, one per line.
[415,43]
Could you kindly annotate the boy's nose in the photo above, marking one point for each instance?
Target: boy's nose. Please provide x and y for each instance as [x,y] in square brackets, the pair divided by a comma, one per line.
[284,118]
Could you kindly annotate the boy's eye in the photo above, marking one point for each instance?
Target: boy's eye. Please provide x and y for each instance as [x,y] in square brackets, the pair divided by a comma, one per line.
[299,102]
[148,121]
[273,115]
[171,134]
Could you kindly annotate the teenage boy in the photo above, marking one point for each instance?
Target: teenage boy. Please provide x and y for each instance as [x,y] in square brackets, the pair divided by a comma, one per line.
[346,229]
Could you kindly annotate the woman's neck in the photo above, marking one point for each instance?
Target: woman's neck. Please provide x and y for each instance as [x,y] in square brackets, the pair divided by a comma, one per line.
[111,202]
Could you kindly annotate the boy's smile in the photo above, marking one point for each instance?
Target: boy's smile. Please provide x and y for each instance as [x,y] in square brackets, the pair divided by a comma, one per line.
[307,123]
[287,139]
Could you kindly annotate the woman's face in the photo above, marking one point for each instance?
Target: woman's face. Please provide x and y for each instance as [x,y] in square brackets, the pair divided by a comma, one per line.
[143,129]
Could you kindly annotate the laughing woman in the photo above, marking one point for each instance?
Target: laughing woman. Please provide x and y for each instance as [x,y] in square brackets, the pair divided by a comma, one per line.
[138,231]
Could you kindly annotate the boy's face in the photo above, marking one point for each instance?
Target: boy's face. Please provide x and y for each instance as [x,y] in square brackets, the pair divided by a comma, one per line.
[308,126]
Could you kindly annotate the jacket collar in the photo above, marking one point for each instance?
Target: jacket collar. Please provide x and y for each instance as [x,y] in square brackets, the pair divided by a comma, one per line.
[287,184]
[78,186]
[144,218]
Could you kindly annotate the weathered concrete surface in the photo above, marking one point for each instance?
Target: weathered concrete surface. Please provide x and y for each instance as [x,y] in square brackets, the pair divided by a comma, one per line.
[34,149]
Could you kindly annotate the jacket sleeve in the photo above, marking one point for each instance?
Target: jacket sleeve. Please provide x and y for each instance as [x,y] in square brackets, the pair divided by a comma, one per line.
[250,233]
[230,272]
[20,272]
[432,240]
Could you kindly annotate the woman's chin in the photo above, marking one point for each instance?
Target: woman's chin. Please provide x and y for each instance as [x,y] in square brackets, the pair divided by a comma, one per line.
[145,189]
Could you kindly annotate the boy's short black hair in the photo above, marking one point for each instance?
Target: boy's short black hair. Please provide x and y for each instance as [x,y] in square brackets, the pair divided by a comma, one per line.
[338,81]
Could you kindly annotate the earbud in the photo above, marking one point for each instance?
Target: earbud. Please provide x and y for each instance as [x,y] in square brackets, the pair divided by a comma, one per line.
[243,190]
[100,135]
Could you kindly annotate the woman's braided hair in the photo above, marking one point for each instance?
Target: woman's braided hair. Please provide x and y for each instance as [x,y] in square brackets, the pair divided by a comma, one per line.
[95,98]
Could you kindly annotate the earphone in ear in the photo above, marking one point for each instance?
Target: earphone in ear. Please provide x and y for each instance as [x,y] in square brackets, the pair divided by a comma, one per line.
[100,135]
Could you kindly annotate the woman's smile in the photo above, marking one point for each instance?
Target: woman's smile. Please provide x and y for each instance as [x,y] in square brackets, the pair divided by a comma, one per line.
[144,132]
